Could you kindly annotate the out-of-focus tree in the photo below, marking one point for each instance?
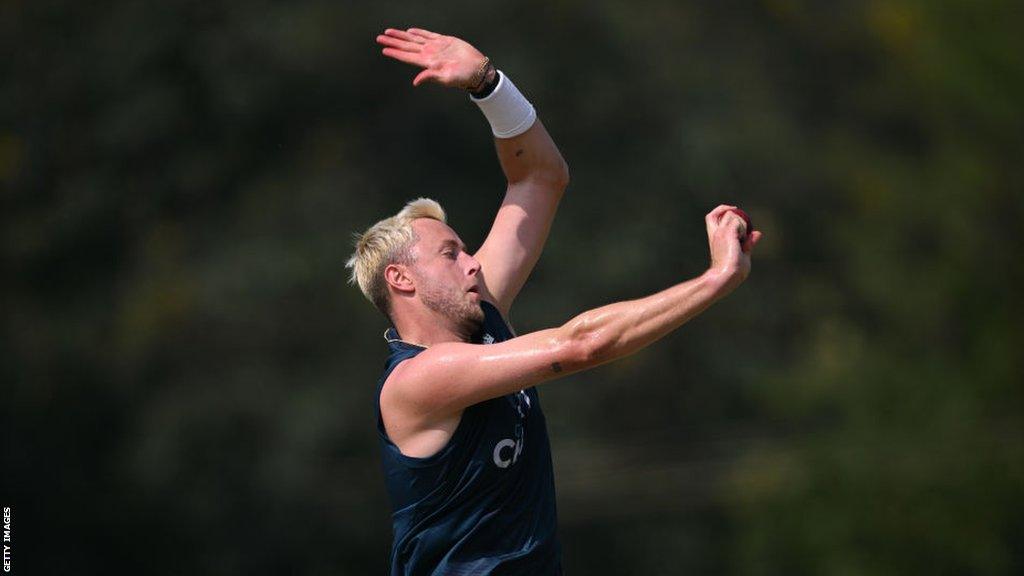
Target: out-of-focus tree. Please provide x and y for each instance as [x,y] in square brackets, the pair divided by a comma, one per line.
[186,373]
[901,447]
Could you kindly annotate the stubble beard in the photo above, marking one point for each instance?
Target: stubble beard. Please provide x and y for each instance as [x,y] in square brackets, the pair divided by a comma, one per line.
[466,316]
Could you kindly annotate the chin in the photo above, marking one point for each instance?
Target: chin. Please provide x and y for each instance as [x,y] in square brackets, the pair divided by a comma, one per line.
[463,314]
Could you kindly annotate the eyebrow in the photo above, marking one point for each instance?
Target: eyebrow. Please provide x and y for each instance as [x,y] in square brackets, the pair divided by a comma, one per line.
[452,244]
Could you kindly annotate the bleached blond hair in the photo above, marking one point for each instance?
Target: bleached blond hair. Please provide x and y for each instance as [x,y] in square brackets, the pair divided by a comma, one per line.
[389,241]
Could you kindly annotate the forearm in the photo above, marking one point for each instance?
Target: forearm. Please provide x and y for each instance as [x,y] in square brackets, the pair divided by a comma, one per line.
[537,176]
[610,332]
[525,149]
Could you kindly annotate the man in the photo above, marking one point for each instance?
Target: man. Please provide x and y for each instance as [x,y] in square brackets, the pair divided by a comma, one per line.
[464,443]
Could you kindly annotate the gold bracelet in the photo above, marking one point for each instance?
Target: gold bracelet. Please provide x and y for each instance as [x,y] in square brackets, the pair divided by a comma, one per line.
[479,76]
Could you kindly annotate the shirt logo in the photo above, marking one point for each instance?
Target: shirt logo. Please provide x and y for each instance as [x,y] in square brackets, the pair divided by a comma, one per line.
[507,451]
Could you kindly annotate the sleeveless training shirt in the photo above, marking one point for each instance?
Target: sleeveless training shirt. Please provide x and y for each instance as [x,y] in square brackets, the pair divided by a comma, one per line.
[483,504]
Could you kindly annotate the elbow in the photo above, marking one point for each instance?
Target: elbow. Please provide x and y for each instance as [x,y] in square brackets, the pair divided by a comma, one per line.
[548,171]
[554,175]
[561,179]
[586,345]
[560,175]
[592,353]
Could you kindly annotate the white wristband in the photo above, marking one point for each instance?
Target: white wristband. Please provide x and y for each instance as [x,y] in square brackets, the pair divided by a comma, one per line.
[506,109]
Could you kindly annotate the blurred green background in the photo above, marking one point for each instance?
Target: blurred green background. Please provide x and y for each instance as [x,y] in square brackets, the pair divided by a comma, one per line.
[188,381]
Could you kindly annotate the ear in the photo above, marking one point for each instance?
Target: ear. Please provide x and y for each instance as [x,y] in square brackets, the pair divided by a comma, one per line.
[397,276]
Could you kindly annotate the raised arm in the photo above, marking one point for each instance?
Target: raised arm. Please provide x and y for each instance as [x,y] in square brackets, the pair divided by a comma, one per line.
[537,175]
[536,172]
[446,378]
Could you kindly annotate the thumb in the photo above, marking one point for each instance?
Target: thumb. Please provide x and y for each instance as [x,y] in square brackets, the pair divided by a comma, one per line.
[752,239]
[424,76]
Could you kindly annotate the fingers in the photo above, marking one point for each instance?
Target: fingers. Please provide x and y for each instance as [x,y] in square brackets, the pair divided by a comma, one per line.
[716,214]
[393,42]
[403,35]
[425,34]
[714,217]
[413,58]
[734,224]
[742,227]
[732,230]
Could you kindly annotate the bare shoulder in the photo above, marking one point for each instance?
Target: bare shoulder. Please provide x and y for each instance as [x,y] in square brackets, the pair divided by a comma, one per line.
[447,378]
[414,429]
[405,390]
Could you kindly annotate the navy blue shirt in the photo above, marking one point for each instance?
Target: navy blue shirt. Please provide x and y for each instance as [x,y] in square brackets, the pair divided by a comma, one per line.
[483,504]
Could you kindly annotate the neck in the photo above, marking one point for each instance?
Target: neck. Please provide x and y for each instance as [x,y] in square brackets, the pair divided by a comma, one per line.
[427,329]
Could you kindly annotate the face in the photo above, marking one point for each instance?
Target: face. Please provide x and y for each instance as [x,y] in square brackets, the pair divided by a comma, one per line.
[446,275]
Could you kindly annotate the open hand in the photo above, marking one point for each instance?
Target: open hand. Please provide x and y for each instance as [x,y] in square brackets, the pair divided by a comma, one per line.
[446,60]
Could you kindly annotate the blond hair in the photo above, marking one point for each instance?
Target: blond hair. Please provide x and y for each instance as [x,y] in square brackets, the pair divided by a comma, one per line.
[389,241]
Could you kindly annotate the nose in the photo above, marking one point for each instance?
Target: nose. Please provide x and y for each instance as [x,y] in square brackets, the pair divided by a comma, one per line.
[473,264]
